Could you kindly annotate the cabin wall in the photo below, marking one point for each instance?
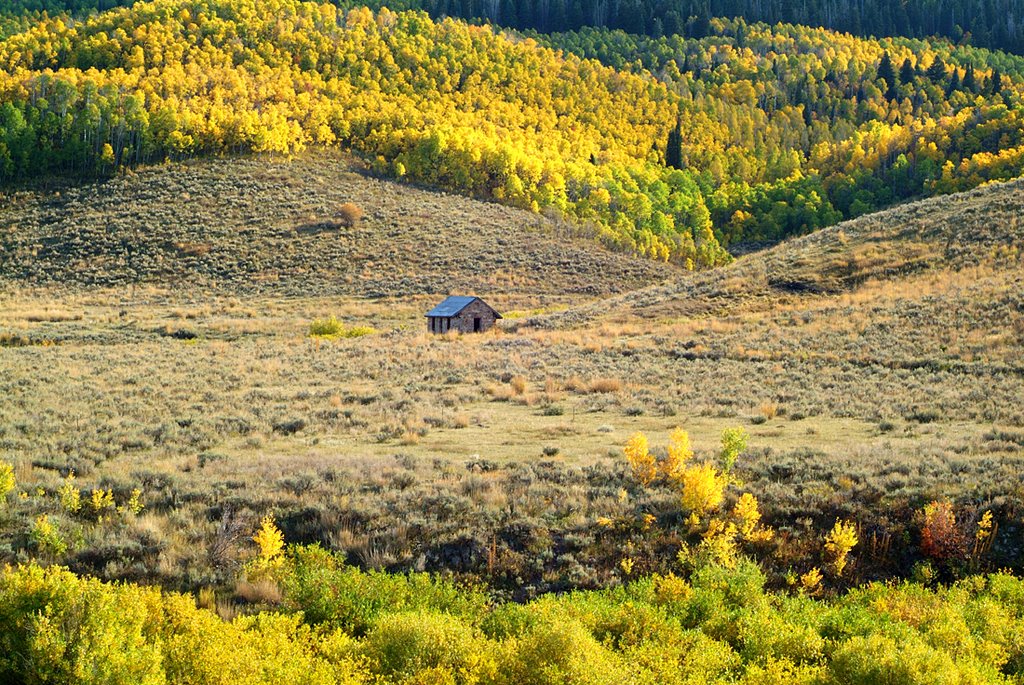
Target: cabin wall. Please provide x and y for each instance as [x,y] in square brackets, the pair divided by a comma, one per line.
[465,320]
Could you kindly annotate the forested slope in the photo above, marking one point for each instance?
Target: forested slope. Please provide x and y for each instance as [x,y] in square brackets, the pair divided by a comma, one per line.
[985,23]
[672,148]
[790,128]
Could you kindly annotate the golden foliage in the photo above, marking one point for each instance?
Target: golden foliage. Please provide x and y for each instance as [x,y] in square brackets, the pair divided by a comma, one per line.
[703,488]
[645,467]
[270,541]
[748,517]
[70,496]
[810,582]
[838,543]
[679,453]
[7,480]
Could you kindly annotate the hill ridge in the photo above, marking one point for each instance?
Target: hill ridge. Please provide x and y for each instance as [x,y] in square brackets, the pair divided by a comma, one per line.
[855,250]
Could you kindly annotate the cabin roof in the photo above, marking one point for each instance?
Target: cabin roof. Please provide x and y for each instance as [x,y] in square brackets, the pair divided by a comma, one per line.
[455,304]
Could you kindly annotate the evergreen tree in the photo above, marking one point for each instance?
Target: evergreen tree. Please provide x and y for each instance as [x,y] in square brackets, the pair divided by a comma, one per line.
[996,85]
[907,72]
[954,83]
[888,74]
[674,148]
[937,71]
[970,82]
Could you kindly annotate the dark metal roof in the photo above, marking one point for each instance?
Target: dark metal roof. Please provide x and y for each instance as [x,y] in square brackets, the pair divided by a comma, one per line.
[455,304]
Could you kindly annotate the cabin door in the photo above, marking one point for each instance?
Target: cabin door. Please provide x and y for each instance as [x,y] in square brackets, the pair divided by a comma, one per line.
[476,324]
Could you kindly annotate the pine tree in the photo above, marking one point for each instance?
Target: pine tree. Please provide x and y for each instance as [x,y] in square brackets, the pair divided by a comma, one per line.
[954,83]
[937,71]
[887,74]
[969,83]
[907,72]
[996,84]
[674,148]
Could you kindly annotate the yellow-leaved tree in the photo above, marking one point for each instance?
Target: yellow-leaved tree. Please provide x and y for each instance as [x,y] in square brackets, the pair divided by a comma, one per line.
[838,543]
[678,455]
[645,466]
[270,541]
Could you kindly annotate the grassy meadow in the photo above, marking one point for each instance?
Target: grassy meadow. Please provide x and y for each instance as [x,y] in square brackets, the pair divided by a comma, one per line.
[875,366]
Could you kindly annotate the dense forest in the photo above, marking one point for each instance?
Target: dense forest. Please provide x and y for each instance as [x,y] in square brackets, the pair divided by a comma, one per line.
[984,23]
[790,129]
[672,148]
[997,24]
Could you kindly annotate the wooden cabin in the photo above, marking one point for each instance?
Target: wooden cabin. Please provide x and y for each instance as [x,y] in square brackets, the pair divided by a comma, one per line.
[465,314]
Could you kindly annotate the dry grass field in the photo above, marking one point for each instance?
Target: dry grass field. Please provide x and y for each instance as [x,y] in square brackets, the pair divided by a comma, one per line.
[154,335]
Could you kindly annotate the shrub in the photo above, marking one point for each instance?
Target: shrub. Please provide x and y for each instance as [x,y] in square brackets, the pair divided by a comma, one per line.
[559,651]
[425,643]
[70,496]
[882,660]
[56,627]
[7,481]
[270,541]
[643,463]
[734,443]
[47,537]
[838,543]
[941,539]
[319,584]
[331,328]
[326,328]
[604,385]
[678,454]
[703,488]
[349,214]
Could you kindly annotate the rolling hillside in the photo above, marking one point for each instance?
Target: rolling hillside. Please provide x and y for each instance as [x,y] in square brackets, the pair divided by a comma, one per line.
[671,147]
[255,226]
[957,257]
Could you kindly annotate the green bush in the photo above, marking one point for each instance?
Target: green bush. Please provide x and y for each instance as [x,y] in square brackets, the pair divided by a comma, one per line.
[331,327]
[560,651]
[327,591]
[343,626]
[406,644]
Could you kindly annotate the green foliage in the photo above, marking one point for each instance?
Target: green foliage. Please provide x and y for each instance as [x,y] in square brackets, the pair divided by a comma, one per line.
[404,645]
[447,104]
[46,536]
[331,593]
[722,626]
[331,327]
[70,496]
[7,481]
[734,132]
[734,442]
[793,128]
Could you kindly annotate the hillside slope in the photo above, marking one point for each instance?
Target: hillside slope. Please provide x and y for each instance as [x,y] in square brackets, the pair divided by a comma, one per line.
[896,249]
[672,147]
[250,226]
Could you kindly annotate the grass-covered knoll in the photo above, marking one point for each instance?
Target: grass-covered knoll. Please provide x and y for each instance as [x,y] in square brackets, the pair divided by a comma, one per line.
[875,366]
[920,252]
[257,226]
[335,624]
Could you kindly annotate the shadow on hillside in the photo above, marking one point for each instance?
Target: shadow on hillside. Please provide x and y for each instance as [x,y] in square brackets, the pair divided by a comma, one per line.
[318,227]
